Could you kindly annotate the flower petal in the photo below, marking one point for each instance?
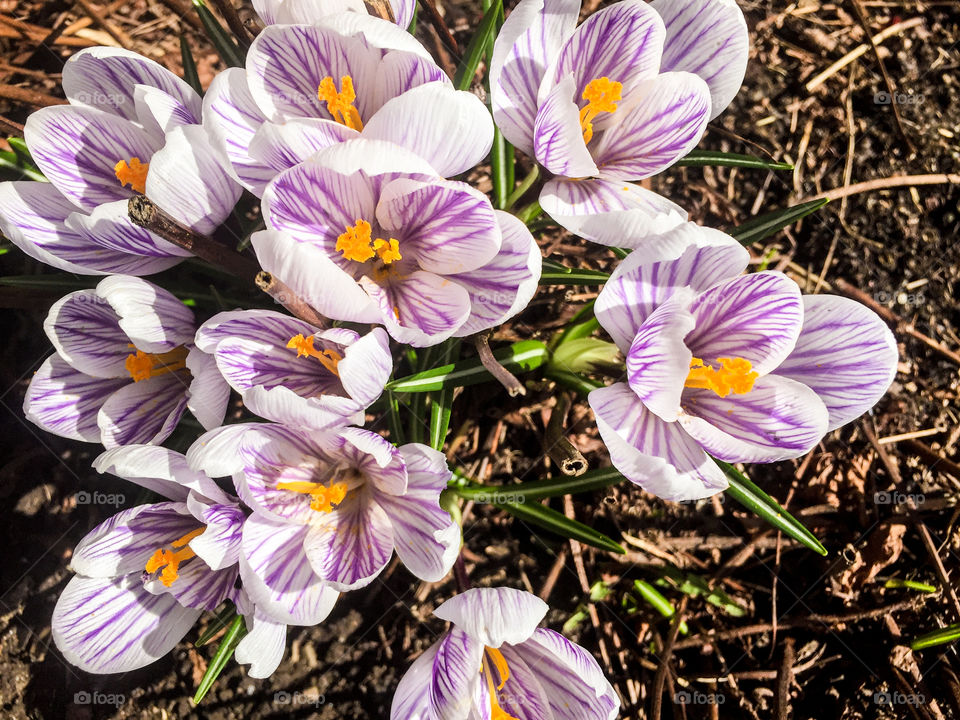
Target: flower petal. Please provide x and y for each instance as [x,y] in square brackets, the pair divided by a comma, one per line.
[526,45]
[411,700]
[152,318]
[262,647]
[208,393]
[159,112]
[557,136]
[399,72]
[110,227]
[779,419]
[656,455]
[85,331]
[217,452]
[156,468]
[282,405]
[366,367]
[219,544]
[522,694]
[845,353]
[112,625]
[282,145]
[143,412]
[456,675]
[65,402]
[613,213]
[494,616]
[709,38]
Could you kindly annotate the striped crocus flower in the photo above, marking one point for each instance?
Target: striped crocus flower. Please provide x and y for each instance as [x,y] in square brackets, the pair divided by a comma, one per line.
[306,87]
[131,126]
[329,509]
[740,367]
[293,373]
[145,575]
[367,232]
[617,99]
[125,367]
[287,12]
[494,662]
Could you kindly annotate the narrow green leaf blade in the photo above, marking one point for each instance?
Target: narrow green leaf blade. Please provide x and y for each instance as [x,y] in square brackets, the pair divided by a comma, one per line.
[716,158]
[572,381]
[556,274]
[463,78]
[745,492]
[765,225]
[224,618]
[560,524]
[663,606]
[937,637]
[539,489]
[190,74]
[223,43]
[231,639]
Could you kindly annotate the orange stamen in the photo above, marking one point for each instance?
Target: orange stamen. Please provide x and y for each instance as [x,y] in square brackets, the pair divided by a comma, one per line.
[304,347]
[495,657]
[340,102]
[735,375]
[143,366]
[132,172]
[324,499]
[602,95]
[170,560]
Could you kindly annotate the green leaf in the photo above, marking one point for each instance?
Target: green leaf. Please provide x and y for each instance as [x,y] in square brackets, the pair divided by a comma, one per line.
[896,583]
[231,639]
[765,225]
[539,489]
[745,492]
[441,402]
[937,637]
[715,158]
[696,585]
[225,617]
[620,253]
[529,214]
[585,355]
[579,384]
[557,522]
[581,325]
[501,166]
[556,274]
[190,74]
[663,606]
[523,187]
[12,161]
[60,282]
[222,41]
[463,78]
[520,357]
[393,419]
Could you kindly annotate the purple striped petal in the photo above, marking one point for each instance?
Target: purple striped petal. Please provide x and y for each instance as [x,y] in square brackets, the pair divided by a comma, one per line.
[219,544]
[574,683]
[505,285]
[522,694]
[656,455]
[156,468]
[445,226]
[217,453]
[373,32]
[494,616]
[845,353]
[756,317]
[264,326]
[449,128]
[277,575]
[188,179]
[143,412]
[422,309]
[426,537]
[197,586]
[401,71]
[159,112]
[456,676]
[557,136]
[124,543]
[350,546]
[107,78]
[282,405]
[613,213]
[663,119]
[689,256]
[373,456]
[709,38]
[622,42]
[366,366]
[112,625]
[85,331]
[232,117]
[208,393]
[66,402]
[411,700]
[262,647]
[77,149]
[403,12]
[280,146]
[527,43]
[658,361]
[779,419]
[152,318]
[109,226]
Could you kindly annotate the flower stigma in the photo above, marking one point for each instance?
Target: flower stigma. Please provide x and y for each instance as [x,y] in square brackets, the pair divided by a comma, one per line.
[602,95]
[132,172]
[323,498]
[735,375]
[492,656]
[340,103]
[143,366]
[357,244]
[304,347]
[170,560]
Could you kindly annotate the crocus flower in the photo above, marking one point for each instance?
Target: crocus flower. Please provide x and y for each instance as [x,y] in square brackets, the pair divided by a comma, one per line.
[310,11]
[740,367]
[329,509]
[125,367]
[145,575]
[495,663]
[131,126]
[365,231]
[617,99]
[306,87]
[291,372]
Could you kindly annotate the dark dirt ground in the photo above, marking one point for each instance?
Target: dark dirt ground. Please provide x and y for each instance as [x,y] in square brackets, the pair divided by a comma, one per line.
[820,637]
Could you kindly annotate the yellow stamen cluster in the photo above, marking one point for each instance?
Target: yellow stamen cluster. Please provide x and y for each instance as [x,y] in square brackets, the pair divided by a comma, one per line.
[170,560]
[304,347]
[499,662]
[340,102]
[735,375]
[323,498]
[602,95]
[143,366]
[132,172]
[357,244]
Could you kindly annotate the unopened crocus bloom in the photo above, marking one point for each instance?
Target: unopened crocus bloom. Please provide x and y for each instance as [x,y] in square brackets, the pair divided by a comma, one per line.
[309,11]
[365,231]
[131,126]
[495,663]
[329,509]
[291,372]
[125,367]
[306,87]
[740,367]
[617,99]
[145,575]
